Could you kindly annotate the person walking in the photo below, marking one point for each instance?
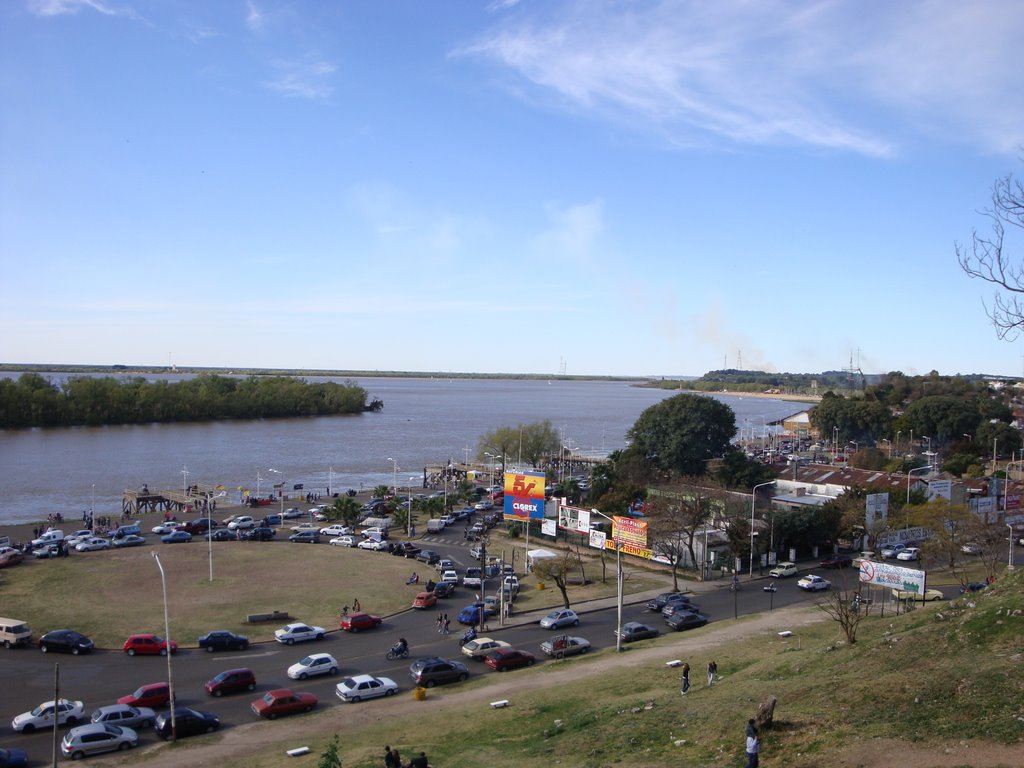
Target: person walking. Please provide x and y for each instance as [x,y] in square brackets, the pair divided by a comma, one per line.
[447,623]
[389,759]
[753,745]
[440,622]
[355,605]
[712,671]
[396,758]
[686,679]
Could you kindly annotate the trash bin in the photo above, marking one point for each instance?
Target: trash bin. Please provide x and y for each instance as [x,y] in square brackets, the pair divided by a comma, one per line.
[419,693]
[541,585]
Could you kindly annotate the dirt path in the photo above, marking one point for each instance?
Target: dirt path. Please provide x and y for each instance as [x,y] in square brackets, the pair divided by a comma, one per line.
[238,742]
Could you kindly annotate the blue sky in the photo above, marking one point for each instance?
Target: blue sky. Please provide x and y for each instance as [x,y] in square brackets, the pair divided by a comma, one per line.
[628,187]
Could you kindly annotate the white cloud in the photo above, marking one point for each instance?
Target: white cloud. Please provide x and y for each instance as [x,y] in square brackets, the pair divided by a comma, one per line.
[63,7]
[828,74]
[301,79]
[254,18]
[573,231]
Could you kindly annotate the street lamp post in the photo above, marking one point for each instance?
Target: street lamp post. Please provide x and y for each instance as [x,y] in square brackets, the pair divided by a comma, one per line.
[753,499]
[167,641]
[408,519]
[184,480]
[618,583]
[915,469]
[1009,557]
[394,475]
[928,453]
[835,443]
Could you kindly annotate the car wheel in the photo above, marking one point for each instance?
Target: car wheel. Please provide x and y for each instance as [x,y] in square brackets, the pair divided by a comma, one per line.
[211,728]
[72,721]
[353,630]
[429,684]
[28,728]
[124,745]
[209,649]
[529,663]
[303,676]
[218,692]
[332,671]
[308,709]
[272,716]
[146,723]
[130,651]
[43,648]
[576,623]
[462,677]
[502,669]
[75,651]
[290,641]
[320,637]
[163,651]
[77,755]
[355,699]
[389,692]
[585,649]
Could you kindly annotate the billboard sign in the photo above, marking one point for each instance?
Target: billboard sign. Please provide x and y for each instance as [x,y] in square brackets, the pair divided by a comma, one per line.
[524,495]
[573,519]
[940,488]
[877,508]
[548,528]
[628,530]
[598,539]
[892,576]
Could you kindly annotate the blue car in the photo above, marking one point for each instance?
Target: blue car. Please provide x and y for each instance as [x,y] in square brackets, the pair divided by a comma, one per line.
[471,613]
[176,537]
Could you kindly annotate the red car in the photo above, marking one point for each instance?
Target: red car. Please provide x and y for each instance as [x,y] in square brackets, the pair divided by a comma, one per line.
[283,701]
[358,620]
[154,696]
[147,645]
[425,600]
[837,561]
[504,659]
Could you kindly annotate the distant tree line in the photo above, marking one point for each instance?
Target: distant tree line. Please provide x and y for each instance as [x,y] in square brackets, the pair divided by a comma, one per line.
[735,380]
[33,401]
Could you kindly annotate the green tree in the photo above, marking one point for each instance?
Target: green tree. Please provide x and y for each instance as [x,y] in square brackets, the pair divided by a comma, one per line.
[345,509]
[737,470]
[1005,437]
[559,570]
[944,418]
[680,434]
[330,757]
[531,442]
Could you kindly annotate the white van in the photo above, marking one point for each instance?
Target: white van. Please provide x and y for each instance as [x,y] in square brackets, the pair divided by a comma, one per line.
[52,536]
[14,632]
[435,525]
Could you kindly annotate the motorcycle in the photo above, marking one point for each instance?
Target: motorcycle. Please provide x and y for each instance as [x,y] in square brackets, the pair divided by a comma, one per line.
[770,587]
[468,636]
[398,652]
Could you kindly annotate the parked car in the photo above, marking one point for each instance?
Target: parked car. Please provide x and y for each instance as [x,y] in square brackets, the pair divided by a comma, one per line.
[425,600]
[166,527]
[92,544]
[188,722]
[343,541]
[231,681]
[223,534]
[891,552]
[681,620]
[176,537]
[123,714]
[782,570]
[373,544]
[222,640]
[837,561]
[812,583]
[283,701]
[147,645]
[971,548]
[376,531]
[10,556]
[862,558]
[272,520]
[260,533]
[634,630]
[560,618]
[357,621]
[296,632]
[477,649]
[473,578]
[444,589]
[68,713]
[910,553]
[96,738]
[314,664]
[65,641]
[306,526]
[504,659]
[129,540]
[76,538]
[13,758]
[404,549]
[673,608]
[434,670]
[242,523]
[305,537]
[199,526]
[291,514]
[928,595]
[560,646]
[428,556]
[337,529]
[470,615]
[359,687]
[151,695]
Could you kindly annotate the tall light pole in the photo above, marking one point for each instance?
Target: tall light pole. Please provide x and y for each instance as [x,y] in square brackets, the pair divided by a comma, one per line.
[928,453]
[753,498]
[167,641]
[408,519]
[915,469]
[618,582]
[280,489]
[394,474]
[835,443]
[184,480]
[1009,557]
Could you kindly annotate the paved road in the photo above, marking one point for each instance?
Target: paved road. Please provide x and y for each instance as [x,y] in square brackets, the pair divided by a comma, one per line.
[26,676]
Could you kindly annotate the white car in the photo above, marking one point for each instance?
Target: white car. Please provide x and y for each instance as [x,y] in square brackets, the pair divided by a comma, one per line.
[450,576]
[890,552]
[970,548]
[242,523]
[78,537]
[560,618]
[304,527]
[359,687]
[376,531]
[291,514]
[373,544]
[782,570]
[343,541]
[477,649]
[297,633]
[92,544]
[336,530]
[68,713]
[166,527]
[812,583]
[910,553]
[314,664]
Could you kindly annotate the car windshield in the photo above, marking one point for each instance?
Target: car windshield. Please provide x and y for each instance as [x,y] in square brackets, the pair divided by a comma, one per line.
[307,661]
[41,709]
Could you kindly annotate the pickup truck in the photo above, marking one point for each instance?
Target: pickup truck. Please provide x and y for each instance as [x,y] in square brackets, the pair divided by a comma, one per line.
[405,549]
[560,646]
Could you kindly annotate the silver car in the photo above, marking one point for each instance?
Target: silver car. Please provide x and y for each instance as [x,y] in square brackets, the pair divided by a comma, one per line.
[95,738]
[123,714]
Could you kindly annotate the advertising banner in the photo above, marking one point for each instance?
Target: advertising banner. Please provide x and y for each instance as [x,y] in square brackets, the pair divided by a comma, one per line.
[547,527]
[877,508]
[629,531]
[940,488]
[573,519]
[1012,501]
[524,495]
[597,539]
[892,576]
[984,508]
[902,536]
